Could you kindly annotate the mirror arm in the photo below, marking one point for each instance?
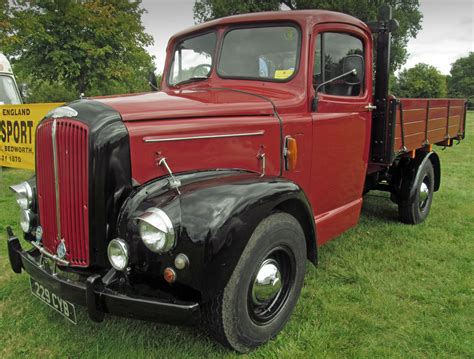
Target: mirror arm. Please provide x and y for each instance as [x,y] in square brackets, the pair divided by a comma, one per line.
[153,87]
[315,100]
[352,72]
[152,81]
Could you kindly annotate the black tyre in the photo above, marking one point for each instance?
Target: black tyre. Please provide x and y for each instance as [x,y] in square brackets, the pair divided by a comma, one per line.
[417,211]
[263,290]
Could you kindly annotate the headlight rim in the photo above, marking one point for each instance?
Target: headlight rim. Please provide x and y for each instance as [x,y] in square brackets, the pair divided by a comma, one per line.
[151,216]
[30,217]
[125,249]
[24,188]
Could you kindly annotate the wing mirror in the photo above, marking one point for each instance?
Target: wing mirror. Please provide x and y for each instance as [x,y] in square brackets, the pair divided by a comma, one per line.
[23,87]
[353,62]
[152,81]
[353,73]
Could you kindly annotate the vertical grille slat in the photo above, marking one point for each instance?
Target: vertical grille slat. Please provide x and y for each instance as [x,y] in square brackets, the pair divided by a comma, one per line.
[45,178]
[85,192]
[72,155]
[74,164]
[78,209]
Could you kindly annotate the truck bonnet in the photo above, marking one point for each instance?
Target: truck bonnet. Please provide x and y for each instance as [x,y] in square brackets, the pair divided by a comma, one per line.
[199,129]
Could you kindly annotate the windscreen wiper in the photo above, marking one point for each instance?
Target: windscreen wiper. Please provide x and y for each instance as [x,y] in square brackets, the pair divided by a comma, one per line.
[192,79]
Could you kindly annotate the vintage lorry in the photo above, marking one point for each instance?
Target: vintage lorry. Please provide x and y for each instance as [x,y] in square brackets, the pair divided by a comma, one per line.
[202,202]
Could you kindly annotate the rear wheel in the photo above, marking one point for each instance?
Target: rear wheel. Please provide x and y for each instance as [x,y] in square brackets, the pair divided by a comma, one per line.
[419,208]
[263,290]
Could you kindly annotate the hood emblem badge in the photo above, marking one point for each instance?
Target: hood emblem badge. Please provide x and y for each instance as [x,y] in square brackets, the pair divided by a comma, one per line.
[61,249]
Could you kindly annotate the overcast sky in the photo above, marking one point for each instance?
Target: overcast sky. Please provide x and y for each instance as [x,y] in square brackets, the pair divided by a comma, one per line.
[447,33]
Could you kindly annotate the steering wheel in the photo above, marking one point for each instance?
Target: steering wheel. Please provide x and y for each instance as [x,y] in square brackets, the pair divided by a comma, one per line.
[200,68]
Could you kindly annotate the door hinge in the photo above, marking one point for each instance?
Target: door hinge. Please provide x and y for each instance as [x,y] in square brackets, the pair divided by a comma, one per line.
[370,107]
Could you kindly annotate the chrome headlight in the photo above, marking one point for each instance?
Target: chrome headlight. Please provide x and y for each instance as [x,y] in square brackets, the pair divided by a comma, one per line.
[156,230]
[118,254]
[26,220]
[24,194]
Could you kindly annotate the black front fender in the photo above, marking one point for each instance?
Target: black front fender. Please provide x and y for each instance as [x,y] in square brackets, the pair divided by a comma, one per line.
[214,216]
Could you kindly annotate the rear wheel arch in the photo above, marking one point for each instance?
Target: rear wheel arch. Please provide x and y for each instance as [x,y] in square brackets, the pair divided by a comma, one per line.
[434,158]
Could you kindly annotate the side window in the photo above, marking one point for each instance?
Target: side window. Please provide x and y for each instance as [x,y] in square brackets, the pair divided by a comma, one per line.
[331,49]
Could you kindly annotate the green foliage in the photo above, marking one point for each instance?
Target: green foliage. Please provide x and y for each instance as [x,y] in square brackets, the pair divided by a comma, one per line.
[205,10]
[87,46]
[5,22]
[461,79]
[422,80]
[405,11]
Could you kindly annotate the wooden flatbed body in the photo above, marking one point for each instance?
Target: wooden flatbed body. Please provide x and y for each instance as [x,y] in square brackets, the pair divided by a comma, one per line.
[424,122]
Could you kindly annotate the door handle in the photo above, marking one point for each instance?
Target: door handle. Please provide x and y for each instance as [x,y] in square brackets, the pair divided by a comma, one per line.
[370,107]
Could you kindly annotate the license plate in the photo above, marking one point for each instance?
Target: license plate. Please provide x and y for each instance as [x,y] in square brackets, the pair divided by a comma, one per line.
[48,296]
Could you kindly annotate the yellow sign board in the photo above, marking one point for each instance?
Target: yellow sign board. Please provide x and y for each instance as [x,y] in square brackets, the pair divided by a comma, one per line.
[17,133]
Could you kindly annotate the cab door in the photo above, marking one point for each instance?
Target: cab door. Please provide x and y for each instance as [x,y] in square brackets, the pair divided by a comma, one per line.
[341,121]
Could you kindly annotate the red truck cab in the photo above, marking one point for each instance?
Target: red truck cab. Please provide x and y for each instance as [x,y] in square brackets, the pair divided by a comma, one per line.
[201,202]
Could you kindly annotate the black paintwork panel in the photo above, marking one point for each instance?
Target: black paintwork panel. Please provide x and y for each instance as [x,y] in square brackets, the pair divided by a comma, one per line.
[214,216]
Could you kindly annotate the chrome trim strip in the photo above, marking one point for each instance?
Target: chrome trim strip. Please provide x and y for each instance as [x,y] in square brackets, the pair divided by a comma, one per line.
[56,178]
[49,255]
[203,137]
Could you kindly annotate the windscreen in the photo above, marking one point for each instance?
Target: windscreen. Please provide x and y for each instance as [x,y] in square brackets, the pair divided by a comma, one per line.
[8,91]
[264,53]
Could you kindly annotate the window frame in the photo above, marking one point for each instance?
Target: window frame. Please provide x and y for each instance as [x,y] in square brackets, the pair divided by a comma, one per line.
[188,37]
[256,26]
[344,102]
[323,63]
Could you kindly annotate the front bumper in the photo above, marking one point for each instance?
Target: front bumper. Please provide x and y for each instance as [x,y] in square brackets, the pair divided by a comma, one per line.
[97,297]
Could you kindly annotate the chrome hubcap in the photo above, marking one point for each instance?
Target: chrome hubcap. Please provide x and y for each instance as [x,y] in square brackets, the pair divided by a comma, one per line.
[424,193]
[271,284]
[267,284]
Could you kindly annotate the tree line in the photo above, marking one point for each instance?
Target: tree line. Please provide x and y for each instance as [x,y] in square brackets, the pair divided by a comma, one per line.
[426,81]
[63,48]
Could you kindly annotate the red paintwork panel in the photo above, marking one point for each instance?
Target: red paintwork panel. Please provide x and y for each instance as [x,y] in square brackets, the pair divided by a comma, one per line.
[330,224]
[208,153]
[188,103]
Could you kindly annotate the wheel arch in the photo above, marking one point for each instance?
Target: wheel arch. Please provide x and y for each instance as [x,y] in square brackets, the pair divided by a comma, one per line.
[412,172]
[434,158]
[304,216]
[214,214]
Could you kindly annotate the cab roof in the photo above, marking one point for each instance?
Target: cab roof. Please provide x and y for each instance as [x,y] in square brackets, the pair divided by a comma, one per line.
[306,18]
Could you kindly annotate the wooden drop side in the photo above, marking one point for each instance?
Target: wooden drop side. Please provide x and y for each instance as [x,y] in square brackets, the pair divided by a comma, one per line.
[423,122]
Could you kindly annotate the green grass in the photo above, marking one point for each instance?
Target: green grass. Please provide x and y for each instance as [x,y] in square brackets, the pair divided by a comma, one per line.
[383,289]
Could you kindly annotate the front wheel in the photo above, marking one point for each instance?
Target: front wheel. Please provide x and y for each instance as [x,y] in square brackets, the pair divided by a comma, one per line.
[417,211]
[263,290]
